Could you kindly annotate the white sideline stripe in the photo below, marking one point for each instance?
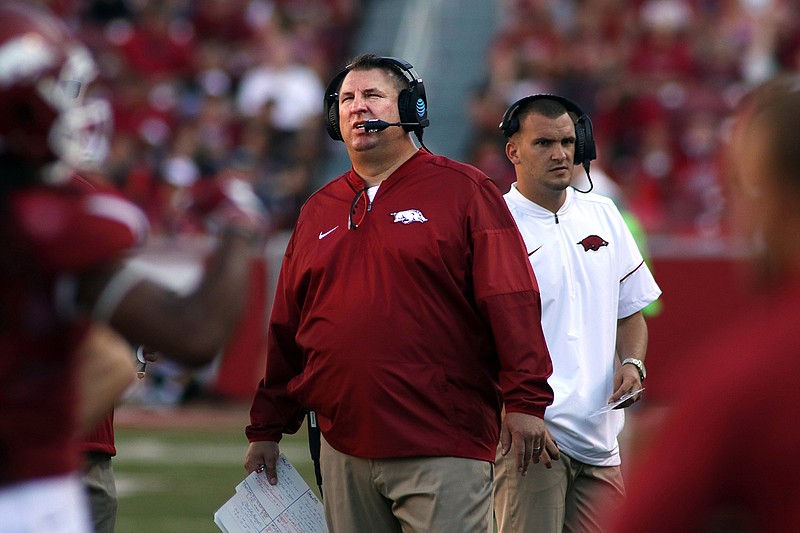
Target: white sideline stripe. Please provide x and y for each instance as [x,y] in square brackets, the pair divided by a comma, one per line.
[152,450]
[128,485]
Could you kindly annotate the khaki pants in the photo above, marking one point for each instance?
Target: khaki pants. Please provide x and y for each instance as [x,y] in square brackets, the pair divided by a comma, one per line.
[571,497]
[98,478]
[419,494]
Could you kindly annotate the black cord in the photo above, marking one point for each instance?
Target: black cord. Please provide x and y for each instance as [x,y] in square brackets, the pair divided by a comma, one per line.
[314,444]
[418,133]
[591,185]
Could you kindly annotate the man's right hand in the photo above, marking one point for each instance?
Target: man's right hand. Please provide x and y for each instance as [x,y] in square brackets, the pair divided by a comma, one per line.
[263,455]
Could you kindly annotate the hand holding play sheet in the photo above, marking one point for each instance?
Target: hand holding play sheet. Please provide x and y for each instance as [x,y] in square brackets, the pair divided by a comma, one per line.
[615,405]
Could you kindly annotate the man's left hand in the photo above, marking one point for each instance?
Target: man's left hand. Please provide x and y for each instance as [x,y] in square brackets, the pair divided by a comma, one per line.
[527,435]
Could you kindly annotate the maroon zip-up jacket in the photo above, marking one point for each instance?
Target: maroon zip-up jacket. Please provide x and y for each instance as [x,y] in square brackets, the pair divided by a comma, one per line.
[407,334]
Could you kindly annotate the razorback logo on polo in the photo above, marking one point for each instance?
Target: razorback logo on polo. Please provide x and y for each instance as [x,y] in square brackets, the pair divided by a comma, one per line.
[593,243]
[408,216]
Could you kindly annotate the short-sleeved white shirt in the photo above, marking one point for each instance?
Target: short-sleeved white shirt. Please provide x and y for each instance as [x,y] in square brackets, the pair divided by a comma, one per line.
[590,274]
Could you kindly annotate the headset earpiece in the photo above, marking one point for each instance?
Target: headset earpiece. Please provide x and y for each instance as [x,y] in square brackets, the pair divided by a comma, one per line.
[411,102]
[589,148]
[413,108]
[331,103]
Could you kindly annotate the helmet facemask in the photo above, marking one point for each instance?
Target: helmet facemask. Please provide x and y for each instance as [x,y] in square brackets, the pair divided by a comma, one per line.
[46,120]
[79,136]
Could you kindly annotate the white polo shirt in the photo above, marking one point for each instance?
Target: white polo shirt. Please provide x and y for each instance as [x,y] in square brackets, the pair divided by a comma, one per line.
[590,274]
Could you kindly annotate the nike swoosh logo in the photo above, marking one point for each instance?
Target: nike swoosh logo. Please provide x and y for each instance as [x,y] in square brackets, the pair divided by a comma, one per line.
[530,254]
[322,234]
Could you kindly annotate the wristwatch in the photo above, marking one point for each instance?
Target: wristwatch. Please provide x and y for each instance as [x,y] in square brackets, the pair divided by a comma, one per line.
[639,364]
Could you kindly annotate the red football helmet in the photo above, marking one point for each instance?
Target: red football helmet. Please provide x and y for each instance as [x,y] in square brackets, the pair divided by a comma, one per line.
[44,115]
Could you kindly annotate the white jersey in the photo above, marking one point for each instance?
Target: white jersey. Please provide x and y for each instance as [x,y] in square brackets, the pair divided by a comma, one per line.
[590,274]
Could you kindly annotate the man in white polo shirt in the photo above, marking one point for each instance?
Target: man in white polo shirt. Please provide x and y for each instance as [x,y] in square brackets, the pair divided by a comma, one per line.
[594,284]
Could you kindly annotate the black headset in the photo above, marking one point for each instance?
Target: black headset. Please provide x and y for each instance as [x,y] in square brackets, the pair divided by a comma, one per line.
[411,102]
[585,149]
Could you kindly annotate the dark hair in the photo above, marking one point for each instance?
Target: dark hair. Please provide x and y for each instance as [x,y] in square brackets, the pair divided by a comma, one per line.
[549,106]
[546,107]
[372,61]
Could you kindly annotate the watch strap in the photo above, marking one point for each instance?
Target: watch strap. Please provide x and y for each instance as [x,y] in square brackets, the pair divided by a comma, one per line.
[639,364]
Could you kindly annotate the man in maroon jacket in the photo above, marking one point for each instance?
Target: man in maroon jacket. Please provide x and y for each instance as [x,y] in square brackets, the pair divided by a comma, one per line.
[407,317]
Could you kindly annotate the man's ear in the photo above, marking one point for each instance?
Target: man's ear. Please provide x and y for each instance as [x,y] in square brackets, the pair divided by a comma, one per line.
[511,152]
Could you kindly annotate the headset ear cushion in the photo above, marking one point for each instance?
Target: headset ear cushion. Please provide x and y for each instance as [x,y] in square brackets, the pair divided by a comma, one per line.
[413,107]
[590,149]
[332,122]
[585,148]
[580,143]
[331,106]
[404,105]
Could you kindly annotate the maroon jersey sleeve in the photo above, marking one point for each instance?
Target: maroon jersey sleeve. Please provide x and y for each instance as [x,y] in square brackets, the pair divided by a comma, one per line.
[68,229]
[274,412]
[101,438]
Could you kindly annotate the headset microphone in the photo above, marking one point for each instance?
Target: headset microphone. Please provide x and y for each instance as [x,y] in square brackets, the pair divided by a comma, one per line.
[379,125]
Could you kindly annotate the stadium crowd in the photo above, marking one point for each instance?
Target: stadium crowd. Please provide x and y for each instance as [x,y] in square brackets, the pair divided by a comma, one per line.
[209,88]
[657,77]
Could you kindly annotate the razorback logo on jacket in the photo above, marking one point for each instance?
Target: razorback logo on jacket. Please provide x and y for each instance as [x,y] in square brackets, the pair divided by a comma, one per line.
[408,216]
[592,242]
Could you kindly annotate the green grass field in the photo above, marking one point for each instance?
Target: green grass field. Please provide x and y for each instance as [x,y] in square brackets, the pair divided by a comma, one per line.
[172,477]
[174,469]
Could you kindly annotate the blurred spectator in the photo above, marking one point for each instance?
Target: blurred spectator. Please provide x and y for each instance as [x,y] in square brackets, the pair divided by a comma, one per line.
[221,21]
[487,143]
[285,94]
[159,42]
[141,110]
